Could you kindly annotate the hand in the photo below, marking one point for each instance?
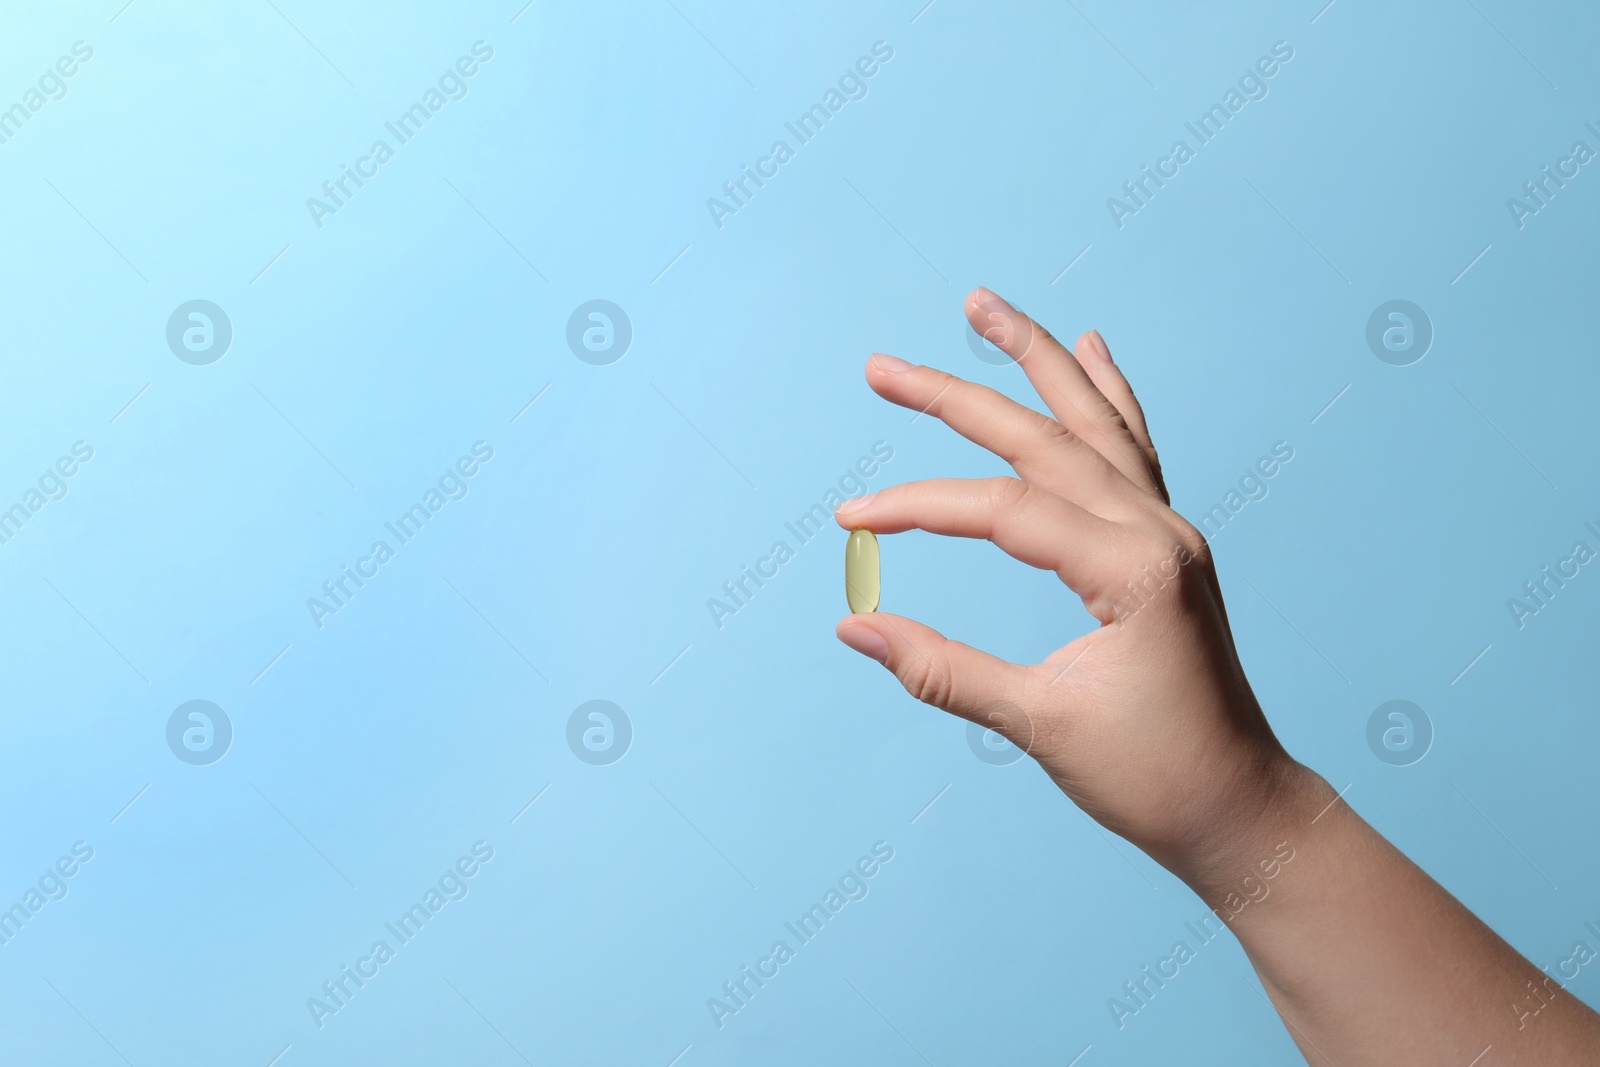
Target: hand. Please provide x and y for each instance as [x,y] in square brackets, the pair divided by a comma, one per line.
[1148,722]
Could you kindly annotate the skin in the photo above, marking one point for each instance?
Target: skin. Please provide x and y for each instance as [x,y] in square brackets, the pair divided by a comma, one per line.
[1149,724]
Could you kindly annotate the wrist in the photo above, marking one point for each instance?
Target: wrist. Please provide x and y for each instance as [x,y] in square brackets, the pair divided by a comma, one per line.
[1260,824]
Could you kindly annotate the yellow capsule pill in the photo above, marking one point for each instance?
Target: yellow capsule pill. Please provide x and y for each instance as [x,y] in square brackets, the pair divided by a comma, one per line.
[861,571]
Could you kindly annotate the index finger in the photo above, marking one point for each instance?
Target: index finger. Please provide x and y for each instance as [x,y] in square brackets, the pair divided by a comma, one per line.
[1035,445]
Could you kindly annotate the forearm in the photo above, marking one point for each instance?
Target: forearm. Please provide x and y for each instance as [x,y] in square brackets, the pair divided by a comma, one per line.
[1371,962]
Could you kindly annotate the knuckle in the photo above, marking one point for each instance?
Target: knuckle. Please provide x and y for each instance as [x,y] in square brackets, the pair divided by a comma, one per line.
[1166,569]
[925,681]
[1117,421]
[942,383]
[1034,332]
[1055,434]
[1007,493]
[1194,542]
[1117,430]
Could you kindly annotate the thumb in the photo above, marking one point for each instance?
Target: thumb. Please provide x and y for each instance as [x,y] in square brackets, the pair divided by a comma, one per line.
[947,674]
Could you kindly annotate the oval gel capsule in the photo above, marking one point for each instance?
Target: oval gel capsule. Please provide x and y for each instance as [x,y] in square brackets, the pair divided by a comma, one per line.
[861,571]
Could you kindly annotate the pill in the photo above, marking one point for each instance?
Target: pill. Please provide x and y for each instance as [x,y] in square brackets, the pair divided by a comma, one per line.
[861,571]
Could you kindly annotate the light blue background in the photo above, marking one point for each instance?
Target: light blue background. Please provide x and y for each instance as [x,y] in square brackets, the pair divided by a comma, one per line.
[376,350]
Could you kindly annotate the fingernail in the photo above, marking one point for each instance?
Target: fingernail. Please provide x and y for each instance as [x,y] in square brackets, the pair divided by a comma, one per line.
[854,504]
[990,300]
[1100,345]
[891,364]
[867,641]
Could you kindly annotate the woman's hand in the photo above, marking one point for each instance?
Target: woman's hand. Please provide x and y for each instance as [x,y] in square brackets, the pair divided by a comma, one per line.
[1148,722]
[1149,725]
